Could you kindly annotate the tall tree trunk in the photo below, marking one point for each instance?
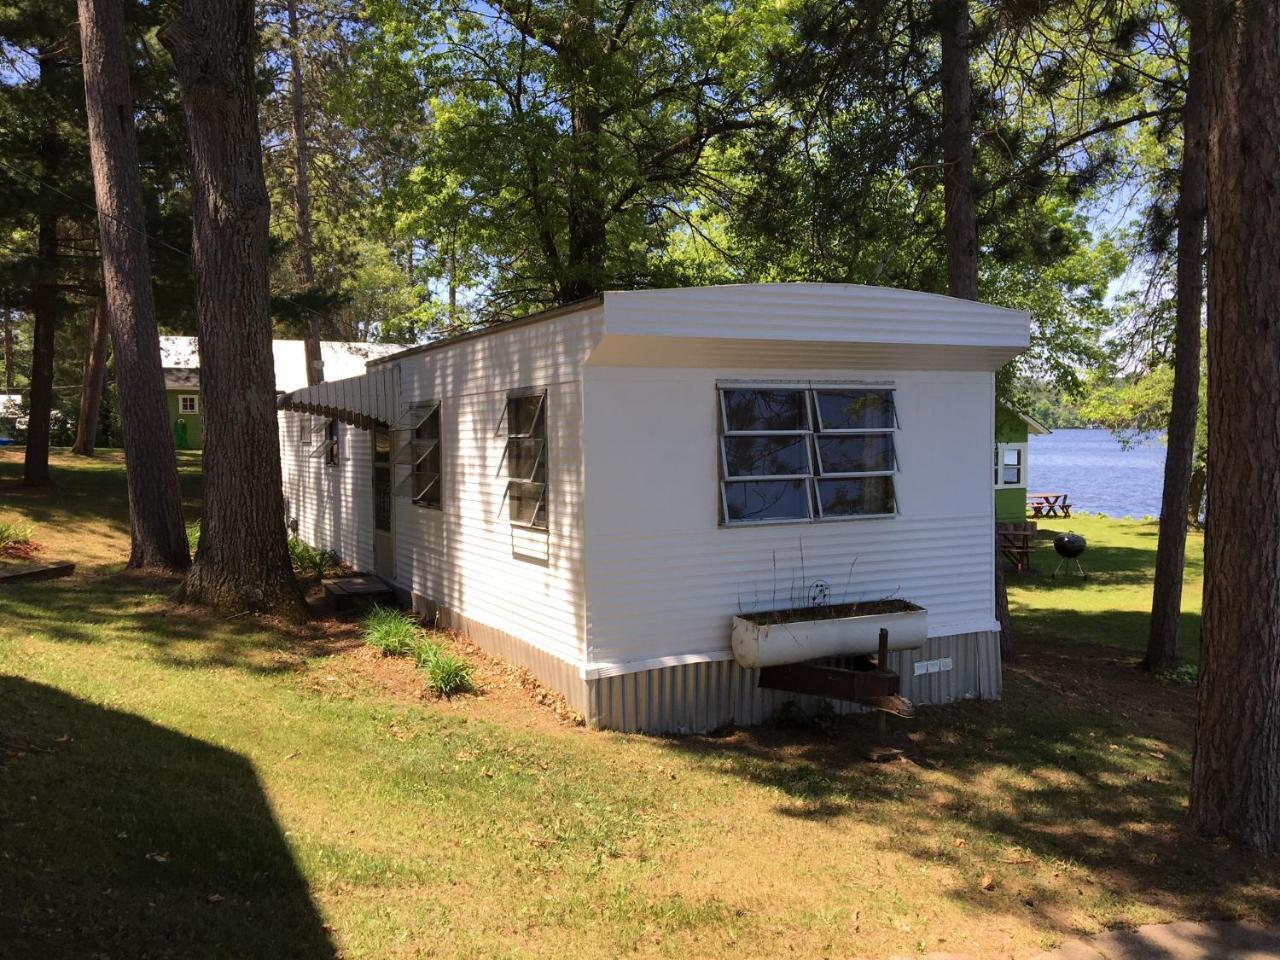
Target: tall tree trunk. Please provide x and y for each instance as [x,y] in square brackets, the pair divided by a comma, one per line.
[242,561]
[46,300]
[1235,783]
[93,378]
[157,532]
[961,226]
[301,150]
[8,350]
[302,191]
[1166,600]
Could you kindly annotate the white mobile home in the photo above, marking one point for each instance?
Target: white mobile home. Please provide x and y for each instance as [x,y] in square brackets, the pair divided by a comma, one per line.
[595,492]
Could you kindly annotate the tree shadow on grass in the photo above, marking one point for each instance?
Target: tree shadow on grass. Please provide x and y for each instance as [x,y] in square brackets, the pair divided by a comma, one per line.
[88,490]
[1081,772]
[135,607]
[124,839]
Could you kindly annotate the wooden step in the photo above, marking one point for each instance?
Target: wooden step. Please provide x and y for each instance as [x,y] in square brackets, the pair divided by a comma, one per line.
[344,593]
[37,571]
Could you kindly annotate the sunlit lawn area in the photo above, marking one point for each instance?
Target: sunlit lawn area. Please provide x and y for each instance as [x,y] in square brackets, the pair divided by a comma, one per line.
[176,784]
[1113,606]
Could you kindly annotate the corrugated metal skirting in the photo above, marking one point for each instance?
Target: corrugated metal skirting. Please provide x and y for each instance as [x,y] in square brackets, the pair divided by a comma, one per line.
[699,697]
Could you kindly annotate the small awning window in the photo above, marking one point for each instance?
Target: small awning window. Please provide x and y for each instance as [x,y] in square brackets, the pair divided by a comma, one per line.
[413,418]
[417,486]
[321,449]
[414,452]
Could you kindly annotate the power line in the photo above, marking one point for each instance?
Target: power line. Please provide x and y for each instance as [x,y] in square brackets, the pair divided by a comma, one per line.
[92,208]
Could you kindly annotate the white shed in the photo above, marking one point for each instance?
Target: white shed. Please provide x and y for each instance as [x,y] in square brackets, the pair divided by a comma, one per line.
[596,491]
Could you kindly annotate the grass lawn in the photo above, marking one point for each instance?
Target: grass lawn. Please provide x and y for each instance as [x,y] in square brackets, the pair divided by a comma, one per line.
[176,784]
[1113,606]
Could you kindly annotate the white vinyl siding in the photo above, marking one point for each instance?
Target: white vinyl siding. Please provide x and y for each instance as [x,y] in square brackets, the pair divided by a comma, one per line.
[468,557]
[665,583]
[332,507]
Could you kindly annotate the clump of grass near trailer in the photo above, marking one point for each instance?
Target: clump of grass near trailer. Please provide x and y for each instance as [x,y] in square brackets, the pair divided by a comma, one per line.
[448,674]
[389,631]
[310,561]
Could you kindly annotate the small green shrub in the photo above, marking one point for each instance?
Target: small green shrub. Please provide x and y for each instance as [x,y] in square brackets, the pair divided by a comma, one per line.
[309,561]
[424,651]
[12,534]
[193,535]
[1185,674]
[448,674]
[389,631]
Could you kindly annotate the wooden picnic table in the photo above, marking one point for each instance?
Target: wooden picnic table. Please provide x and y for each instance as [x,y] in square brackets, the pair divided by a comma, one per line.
[1049,505]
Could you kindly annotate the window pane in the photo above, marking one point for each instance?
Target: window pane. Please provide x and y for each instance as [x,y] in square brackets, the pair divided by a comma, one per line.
[524,458]
[321,450]
[523,418]
[413,451]
[418,486]
[757,410]
[525,503]
[767,500]
[766,456]
[415,416]
[1012,456]
[865,453]
[855,409]
[856,496]
[1012,476]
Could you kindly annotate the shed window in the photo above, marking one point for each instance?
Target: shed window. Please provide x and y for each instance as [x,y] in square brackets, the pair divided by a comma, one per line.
[526,459]
[188,403]
[419,450]
[327,448]
[812,453]
[1011,465]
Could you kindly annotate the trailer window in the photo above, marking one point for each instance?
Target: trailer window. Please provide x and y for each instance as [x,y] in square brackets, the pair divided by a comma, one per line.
[418,433]
[327,448]
[526,459]
[806,453]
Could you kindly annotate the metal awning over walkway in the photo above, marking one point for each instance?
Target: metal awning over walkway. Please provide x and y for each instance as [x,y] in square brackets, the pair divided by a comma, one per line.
[365,401]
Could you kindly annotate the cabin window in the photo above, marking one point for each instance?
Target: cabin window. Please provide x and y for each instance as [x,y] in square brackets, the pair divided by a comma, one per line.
[526,459]
[812,453]
[419,450]
[1011,465]
[327,447]
[188,403]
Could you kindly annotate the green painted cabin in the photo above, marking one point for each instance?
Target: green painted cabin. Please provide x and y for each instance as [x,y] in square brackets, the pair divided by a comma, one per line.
[1010,462]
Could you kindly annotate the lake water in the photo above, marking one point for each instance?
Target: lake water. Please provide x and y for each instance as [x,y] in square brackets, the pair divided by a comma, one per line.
[1098,474]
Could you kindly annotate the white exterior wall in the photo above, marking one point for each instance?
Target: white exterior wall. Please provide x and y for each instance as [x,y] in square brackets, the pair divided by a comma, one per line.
[664,579]
[466,557]
[332,505]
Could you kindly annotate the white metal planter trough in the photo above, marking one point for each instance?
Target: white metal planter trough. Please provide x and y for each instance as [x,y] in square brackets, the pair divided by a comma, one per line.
[787,647]
[847,630]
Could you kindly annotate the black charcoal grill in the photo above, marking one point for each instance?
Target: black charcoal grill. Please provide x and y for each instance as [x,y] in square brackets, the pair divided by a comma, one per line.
[1069,546]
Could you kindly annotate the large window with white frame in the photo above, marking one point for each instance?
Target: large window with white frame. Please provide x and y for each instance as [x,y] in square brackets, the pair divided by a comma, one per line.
[1011,465]
[418,430]
[802,453]
[526,458]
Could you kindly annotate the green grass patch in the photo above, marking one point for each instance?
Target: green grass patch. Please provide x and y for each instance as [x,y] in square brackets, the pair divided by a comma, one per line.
[1112,606]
